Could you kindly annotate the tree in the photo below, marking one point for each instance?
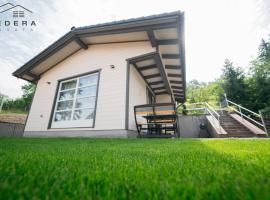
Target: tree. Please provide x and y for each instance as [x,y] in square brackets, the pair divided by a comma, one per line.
[264,50]
[204,92]
[28,93]
[23,103]
[259,80]
[234,83]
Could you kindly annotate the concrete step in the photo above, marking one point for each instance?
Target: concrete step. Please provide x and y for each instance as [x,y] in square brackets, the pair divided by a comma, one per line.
[233,127]
[241,136]
[232,124]
[226,120]
[228,128]
[239,131]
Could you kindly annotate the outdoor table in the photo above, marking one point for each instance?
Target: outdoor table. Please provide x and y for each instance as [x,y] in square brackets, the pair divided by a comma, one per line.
[157,120]
[159,117]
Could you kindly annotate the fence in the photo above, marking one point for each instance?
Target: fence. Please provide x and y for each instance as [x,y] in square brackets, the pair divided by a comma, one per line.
[11,129]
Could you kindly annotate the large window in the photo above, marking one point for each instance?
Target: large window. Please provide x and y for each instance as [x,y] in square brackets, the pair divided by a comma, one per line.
[76,102]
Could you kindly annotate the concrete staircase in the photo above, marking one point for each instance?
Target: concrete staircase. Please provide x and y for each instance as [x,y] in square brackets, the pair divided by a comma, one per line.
[233,127]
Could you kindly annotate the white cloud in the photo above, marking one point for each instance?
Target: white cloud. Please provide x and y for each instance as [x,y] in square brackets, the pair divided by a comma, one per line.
[215,30]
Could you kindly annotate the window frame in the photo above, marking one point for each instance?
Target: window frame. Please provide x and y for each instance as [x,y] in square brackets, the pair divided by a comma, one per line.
[58,91]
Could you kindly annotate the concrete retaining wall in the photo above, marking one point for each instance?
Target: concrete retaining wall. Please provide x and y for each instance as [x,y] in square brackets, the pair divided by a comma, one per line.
[11,129]
[189,126]
[83,133]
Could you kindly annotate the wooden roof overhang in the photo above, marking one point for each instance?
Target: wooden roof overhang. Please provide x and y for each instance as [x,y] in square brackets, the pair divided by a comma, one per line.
[165,32]
[151,69]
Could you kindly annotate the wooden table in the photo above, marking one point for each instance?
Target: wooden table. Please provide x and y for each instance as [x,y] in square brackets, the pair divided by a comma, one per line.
[158,120]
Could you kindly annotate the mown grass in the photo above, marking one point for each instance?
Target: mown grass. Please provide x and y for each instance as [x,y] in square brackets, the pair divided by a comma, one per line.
[13,112]
[134,169]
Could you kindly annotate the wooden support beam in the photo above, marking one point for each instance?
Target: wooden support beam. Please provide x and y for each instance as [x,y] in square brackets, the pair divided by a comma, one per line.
[170,56]
[159,93]
[174,75]
[81,43]
[152,76]
[173,67]
[181,37]
[156,83]
[162,73]
[176,82]
[178,90]
[175,96]
[141,59]
[152,38]
[159,88]
[147,67]
[167,42]
[177,87]
[179,96]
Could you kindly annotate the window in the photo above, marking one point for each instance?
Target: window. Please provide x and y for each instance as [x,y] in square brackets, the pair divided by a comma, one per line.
[76,102]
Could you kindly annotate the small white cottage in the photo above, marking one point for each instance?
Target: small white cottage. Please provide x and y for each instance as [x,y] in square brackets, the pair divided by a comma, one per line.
[89,80]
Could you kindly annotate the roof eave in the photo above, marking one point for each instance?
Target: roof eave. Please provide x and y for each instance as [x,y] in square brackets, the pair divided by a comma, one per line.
[102,29]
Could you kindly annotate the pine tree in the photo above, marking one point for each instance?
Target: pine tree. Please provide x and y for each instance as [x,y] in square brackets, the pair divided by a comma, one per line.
[234,83]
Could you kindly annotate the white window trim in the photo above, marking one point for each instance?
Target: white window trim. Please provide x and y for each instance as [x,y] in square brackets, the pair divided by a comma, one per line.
[89,123]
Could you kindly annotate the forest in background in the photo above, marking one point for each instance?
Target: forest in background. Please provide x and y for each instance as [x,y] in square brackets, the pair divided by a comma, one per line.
[250,89]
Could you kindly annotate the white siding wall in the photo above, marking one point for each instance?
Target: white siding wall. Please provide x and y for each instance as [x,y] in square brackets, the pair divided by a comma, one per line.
[137,95]
[165,98]
[112,87]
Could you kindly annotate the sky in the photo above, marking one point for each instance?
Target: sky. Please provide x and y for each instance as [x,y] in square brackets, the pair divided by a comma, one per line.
[214,30]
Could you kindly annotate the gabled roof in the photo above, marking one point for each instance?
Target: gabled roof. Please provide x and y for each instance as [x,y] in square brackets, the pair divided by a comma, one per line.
[164,31]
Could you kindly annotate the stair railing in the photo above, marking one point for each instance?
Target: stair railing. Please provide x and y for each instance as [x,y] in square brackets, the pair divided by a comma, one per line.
[239,111]
[208,109]
[213,113]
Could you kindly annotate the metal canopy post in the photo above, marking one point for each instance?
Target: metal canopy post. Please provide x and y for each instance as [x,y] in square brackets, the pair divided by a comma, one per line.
[263,123]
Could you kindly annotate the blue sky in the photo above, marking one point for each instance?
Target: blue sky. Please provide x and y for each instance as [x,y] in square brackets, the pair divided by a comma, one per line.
[215,30]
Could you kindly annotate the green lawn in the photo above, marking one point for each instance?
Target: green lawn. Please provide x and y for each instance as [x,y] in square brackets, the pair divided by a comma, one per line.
[134,169]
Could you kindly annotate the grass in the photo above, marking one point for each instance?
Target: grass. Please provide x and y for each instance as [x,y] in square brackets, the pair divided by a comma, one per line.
[134,169]
[13,112]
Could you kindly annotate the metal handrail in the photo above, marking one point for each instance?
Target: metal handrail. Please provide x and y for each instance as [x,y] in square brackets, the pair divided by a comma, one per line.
[262,124]
[243,108]
[209,109]
[212,109]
